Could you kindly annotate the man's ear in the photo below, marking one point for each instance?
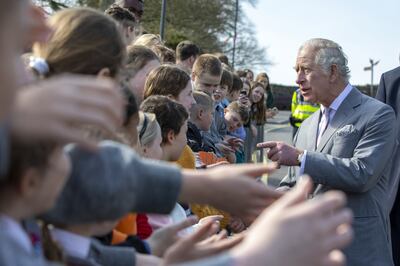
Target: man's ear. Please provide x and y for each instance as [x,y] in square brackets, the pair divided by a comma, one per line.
[200,113]
[104,72]
[30,181]
[193,76]
[334,73]
[171,136]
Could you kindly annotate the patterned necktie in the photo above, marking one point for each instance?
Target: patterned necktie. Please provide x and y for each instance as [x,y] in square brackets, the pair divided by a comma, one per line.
[323,124]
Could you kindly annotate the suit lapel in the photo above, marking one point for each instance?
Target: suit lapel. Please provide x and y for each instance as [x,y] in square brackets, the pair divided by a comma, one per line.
[312,139]
[341,117]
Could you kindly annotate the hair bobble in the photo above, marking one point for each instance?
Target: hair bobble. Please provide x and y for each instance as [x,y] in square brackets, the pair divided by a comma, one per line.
[40,65]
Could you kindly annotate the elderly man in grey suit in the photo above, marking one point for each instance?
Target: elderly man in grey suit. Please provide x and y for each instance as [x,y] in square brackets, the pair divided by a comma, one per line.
[389,92]
[345,146]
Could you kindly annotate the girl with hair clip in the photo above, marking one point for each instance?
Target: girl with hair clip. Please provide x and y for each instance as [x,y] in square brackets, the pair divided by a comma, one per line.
[78,45]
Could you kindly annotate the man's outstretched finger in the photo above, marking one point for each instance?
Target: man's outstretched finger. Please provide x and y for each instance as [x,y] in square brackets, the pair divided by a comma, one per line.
[267,144]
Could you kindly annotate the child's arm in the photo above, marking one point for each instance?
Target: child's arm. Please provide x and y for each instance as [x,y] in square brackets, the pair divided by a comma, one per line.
[119,181]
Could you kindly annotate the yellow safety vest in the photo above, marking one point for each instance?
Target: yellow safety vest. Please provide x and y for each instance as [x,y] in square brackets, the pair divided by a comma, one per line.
[301,109]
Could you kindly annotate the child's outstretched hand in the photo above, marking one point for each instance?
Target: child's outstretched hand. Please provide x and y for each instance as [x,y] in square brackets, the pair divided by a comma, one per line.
[192,247]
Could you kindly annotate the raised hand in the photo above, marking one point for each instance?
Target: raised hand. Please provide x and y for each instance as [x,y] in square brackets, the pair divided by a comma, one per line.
[165,237]
[194,247]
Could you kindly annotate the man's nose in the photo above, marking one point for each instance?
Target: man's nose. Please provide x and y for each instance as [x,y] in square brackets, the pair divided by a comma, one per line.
[300,78]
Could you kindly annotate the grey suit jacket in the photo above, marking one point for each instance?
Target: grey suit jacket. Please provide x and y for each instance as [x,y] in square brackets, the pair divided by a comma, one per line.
[352,156]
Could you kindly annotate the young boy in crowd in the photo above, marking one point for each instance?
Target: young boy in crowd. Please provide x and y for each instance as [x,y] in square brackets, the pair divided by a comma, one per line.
[201,116]
[218,96]
[234,92]
[206,73]
[172,118]
[235,116]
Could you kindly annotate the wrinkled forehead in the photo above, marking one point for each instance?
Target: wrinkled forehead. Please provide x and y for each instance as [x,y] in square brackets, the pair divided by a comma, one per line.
[209,79]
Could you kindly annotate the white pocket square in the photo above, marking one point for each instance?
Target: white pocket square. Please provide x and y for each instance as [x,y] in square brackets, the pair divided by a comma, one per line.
[346,130]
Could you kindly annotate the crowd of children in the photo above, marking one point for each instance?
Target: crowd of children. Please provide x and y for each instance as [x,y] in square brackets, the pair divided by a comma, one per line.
[85,125]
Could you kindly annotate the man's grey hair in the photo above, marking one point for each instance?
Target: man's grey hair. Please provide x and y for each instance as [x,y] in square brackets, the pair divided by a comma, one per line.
[329,53]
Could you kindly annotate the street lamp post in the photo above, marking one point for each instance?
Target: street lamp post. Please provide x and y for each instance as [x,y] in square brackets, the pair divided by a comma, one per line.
[162,21]
[235,34]
[371,68]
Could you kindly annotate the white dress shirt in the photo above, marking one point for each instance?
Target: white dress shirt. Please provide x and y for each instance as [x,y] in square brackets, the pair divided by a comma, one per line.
[333,108]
